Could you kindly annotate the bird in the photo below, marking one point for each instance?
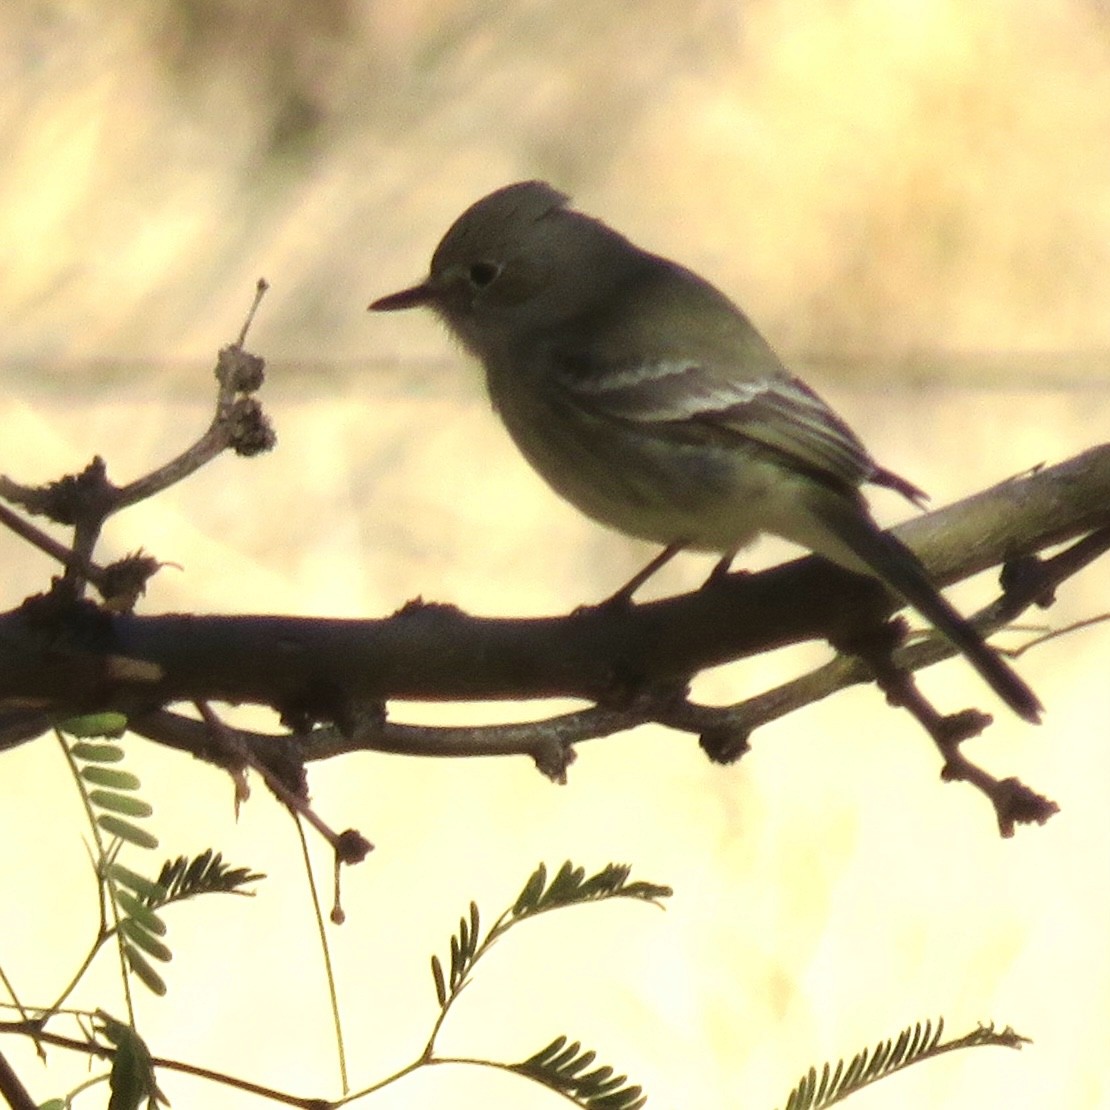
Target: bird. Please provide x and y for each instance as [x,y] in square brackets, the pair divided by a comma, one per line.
[647,399]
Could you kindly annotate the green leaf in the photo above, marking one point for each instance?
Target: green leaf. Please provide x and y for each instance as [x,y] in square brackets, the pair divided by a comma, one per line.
[110,776]
[608,880]
[140,912]
[94,724]
[132,1076]
[646,892]
[205,874]
[559,1066]
[133,931]
[441,986]
[97,753]
[112,1028]
[531,892]
[120,803]
[53,1104]
[915,1044]
[464,948]
[571,887]
[116,826]
[144,970]
[147,889]
[456,963]
[474,919]
[563,886]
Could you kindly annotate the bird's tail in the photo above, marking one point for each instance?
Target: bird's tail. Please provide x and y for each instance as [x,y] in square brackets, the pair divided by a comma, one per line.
[894,563]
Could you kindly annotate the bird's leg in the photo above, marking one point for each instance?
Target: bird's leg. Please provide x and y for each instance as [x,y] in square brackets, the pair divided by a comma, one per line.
[623,596]
[720,569]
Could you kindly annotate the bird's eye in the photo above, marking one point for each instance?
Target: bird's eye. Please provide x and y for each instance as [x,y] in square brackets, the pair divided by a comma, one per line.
[482,273]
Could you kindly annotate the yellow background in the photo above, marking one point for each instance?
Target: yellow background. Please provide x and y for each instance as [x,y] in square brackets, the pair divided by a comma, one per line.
[912,200]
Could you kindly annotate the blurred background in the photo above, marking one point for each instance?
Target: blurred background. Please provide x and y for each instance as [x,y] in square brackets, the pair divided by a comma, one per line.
[911,200]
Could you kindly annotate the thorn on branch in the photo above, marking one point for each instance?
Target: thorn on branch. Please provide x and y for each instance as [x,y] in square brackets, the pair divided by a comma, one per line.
[417,607]
[239,753]
[952,729]
[552,758]
[725,744]
[280,758]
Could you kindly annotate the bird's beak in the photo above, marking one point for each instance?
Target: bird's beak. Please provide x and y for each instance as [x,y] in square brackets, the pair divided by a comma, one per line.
[418,295]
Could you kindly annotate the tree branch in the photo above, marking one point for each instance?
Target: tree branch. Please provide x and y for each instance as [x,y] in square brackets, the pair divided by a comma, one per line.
[73,658]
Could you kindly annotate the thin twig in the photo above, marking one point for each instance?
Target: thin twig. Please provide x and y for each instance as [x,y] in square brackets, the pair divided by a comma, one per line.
[236,417]
[235,751]
[105,1051]
[260,288]
[36,537]
[1055,633]
[922,651]
[548,742]
[11,1087]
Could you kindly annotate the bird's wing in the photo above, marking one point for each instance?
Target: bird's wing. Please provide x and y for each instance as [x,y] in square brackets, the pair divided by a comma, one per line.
[781,413]
[715,383]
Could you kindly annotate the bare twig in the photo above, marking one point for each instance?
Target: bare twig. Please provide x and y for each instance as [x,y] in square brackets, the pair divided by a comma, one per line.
[724,731]
[94,1048]
[548,742]
[923,650]
[431,652]
[1055,633]
[87,500]
[235,753]
[1014,802]
[36,537]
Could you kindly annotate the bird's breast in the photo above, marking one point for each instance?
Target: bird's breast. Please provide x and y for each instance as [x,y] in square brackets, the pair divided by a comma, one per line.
[631,476]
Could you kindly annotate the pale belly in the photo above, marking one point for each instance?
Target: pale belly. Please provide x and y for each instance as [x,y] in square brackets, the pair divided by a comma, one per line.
[708,496]
[645,486]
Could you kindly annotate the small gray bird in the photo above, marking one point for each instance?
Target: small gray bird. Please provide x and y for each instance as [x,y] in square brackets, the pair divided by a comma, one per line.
[647,399]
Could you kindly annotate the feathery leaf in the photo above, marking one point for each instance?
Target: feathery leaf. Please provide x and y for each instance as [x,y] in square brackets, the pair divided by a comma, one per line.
[915,1044]
[571,887]
[204,874]
[559,1066]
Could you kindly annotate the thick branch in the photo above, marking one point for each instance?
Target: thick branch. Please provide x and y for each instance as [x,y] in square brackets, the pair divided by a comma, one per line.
[319,669]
